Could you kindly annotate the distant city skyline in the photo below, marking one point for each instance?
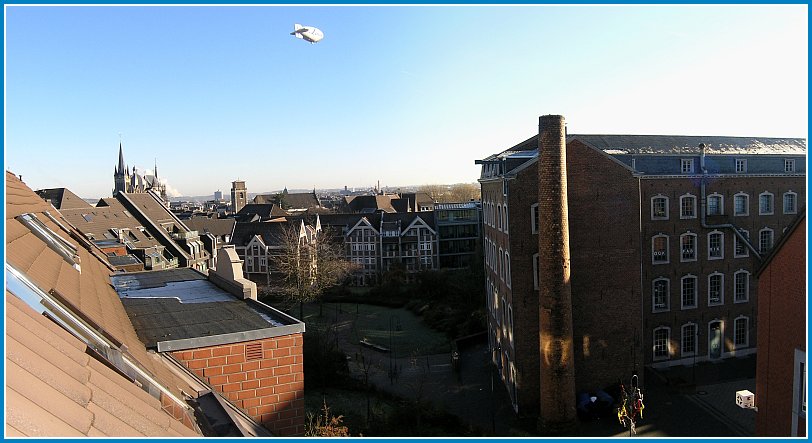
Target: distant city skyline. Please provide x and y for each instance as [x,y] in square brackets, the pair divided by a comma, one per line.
[400,94]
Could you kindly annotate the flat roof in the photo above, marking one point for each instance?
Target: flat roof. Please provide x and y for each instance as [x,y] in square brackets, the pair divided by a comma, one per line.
[178,309]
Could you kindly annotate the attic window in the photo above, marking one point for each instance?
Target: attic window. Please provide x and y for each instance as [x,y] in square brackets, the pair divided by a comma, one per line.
[58,244]
[109,236]
[253,351]
[88,217]
[127,214]
[132,236]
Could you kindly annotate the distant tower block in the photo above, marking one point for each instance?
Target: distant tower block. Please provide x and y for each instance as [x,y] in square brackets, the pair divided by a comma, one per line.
[218,195]
[555,304]
[239,195]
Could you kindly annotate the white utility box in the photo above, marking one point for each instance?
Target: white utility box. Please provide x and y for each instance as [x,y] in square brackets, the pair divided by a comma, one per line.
[745,399]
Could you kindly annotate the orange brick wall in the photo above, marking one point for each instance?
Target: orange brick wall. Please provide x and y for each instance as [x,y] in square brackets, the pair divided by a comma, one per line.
[270,389]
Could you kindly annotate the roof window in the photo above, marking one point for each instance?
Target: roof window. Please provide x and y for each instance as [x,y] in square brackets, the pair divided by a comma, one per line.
[58,244]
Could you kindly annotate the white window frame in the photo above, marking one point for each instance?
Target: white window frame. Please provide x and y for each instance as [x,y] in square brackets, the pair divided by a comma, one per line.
[654,355]
[761,247]
[761,210]
[794,209]
[736,321]
[746,286]
[507,268]
[667,252]
[536,271]
[534,218]
[501,264]
[505,218]
[746,197]
[696,247]
[737,241]
[741,165]
[721,288]
[789,165]
[654,307]
[499,217]
[721,255]
[681,206]
[682,291]
[687,166]
[659,217]
[695,339]
[721,198]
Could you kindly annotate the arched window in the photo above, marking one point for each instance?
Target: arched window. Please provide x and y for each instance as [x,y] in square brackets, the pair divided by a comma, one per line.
[660,295]
[661,346]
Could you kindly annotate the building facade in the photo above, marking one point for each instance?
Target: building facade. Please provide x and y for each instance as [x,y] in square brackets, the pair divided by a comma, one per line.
[781,372]
[665,237]
[459,234]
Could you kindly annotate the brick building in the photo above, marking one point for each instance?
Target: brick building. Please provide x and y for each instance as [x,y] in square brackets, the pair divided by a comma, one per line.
[781,373]
[661,266]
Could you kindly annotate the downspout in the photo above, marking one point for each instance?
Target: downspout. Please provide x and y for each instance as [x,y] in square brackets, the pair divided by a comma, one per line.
[702,207]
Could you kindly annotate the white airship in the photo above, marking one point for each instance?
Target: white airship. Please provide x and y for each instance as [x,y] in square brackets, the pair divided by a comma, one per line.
[308,33]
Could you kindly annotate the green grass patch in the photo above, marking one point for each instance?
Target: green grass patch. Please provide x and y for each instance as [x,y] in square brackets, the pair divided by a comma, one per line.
[397,329]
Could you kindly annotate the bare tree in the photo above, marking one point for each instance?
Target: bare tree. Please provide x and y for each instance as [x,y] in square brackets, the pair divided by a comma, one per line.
[309,261]
[434,191]
[463,192]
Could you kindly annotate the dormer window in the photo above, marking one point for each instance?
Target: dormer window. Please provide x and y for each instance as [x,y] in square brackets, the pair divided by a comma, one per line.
[687,165]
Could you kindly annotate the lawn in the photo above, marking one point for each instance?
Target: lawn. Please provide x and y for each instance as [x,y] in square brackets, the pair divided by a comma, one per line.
[409,335]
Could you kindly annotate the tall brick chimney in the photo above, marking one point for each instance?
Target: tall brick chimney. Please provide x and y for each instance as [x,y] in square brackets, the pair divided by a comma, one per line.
[555,304]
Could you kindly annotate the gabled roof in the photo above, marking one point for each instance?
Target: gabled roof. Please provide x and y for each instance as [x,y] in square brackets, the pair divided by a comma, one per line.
[270,232]
[216,226]
[266,211]
[301,200]
[108,214]
[80,393]
[62,198]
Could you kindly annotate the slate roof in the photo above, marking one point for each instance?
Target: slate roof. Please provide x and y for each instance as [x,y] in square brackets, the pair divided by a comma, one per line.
[677,144]
[62,198]
[270,232]
[299,200]
[650,151]
[265,211]
[370,203]
[109,213]
[219,227]
[58,389]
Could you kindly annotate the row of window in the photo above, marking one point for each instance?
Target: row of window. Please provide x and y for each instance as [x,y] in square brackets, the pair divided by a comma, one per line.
[501,310]
[689,245]
[687,165]
[689,339]
[689,290]
[498,261]
[715,205]
[495,215]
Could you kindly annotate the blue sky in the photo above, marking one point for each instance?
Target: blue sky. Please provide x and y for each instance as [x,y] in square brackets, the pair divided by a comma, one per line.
[405,95]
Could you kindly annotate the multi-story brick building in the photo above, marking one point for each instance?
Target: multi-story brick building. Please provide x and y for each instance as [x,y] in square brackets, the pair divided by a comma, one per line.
[661,265]
[781,372]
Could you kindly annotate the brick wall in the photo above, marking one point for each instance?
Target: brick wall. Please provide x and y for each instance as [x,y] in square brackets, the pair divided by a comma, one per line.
[605,245]
[265,378]
[781,330]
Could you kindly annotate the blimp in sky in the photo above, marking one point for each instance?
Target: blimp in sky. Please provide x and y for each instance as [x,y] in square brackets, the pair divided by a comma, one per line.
[308,33]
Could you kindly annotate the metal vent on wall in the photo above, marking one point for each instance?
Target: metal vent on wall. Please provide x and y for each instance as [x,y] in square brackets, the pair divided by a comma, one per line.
[253,351]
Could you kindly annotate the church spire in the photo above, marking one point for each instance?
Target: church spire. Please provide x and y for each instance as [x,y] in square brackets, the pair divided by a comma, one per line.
[121,167]
[155,171]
